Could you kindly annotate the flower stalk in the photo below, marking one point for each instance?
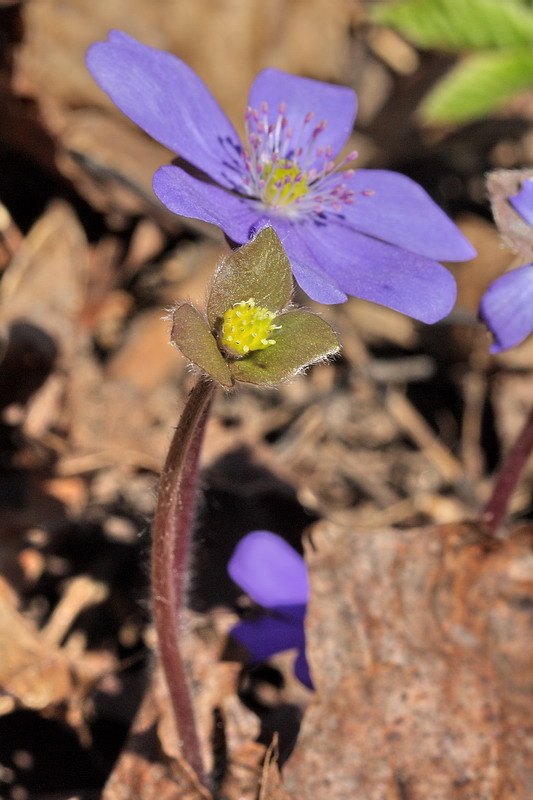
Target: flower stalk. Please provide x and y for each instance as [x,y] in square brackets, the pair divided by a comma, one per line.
[170,556]
[509,474]
[230,343]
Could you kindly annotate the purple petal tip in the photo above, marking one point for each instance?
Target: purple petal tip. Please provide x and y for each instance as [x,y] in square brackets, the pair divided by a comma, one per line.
[269,570]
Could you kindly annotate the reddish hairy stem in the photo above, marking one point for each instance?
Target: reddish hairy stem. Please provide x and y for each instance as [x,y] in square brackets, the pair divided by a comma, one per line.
[170,557]
[508,476]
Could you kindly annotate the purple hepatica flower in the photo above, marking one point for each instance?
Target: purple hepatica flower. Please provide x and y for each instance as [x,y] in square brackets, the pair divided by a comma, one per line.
[507,308]
[507,305]
[267,568]
[373,234]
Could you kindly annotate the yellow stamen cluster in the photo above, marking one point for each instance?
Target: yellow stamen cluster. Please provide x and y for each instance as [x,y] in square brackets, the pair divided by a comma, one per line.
[245,327]
[284,183]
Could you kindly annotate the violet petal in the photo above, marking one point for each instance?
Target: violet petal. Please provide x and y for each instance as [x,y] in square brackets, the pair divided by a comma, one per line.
[400,212]
[523,201]
[268,635]
[376,271]
[301,670]
[189,197]
[310,275]
[335,104]
[507,308]
[267,568]
[163,95]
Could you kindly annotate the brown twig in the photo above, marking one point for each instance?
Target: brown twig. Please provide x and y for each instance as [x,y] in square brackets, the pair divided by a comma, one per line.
[508,477]
[170,556]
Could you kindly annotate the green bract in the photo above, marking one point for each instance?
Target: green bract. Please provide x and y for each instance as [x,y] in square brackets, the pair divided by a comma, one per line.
[258,271]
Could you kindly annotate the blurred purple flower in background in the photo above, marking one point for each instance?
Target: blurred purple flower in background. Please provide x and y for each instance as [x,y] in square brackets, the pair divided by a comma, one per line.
[523,202]
[267,568]
[373,234]
[507,305]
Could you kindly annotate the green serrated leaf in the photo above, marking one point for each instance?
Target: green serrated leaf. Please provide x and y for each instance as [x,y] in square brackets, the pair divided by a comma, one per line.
[259,269]
[191,334]
[303,339]
[459,25]
[479,84]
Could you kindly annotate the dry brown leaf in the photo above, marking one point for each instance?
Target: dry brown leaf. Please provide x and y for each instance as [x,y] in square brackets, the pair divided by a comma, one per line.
[146,358]
[151,762]
[215,683]
[380,324]
[113,178]
[10,237]
[244,36]
[243,774]
[312,38]
[81,592]
[144,771]
[100,429]
[420,647]
[41,298]
[137,778]
[32,672]
[45,282]
[271,786]
[515,231]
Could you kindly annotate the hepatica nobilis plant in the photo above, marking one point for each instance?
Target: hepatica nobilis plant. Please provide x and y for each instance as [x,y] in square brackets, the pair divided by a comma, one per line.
[373,234]
[251,334]
[282,196]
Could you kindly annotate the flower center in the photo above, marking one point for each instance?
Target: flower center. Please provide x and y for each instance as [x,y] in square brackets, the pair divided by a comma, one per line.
[284,182]
[246,327]
[290,169]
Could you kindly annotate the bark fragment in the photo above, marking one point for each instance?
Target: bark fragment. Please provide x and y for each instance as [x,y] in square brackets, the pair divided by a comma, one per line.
[420,647]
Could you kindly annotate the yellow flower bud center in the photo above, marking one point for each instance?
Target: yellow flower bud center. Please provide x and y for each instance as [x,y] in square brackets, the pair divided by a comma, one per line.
[246,327]
[284,182]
